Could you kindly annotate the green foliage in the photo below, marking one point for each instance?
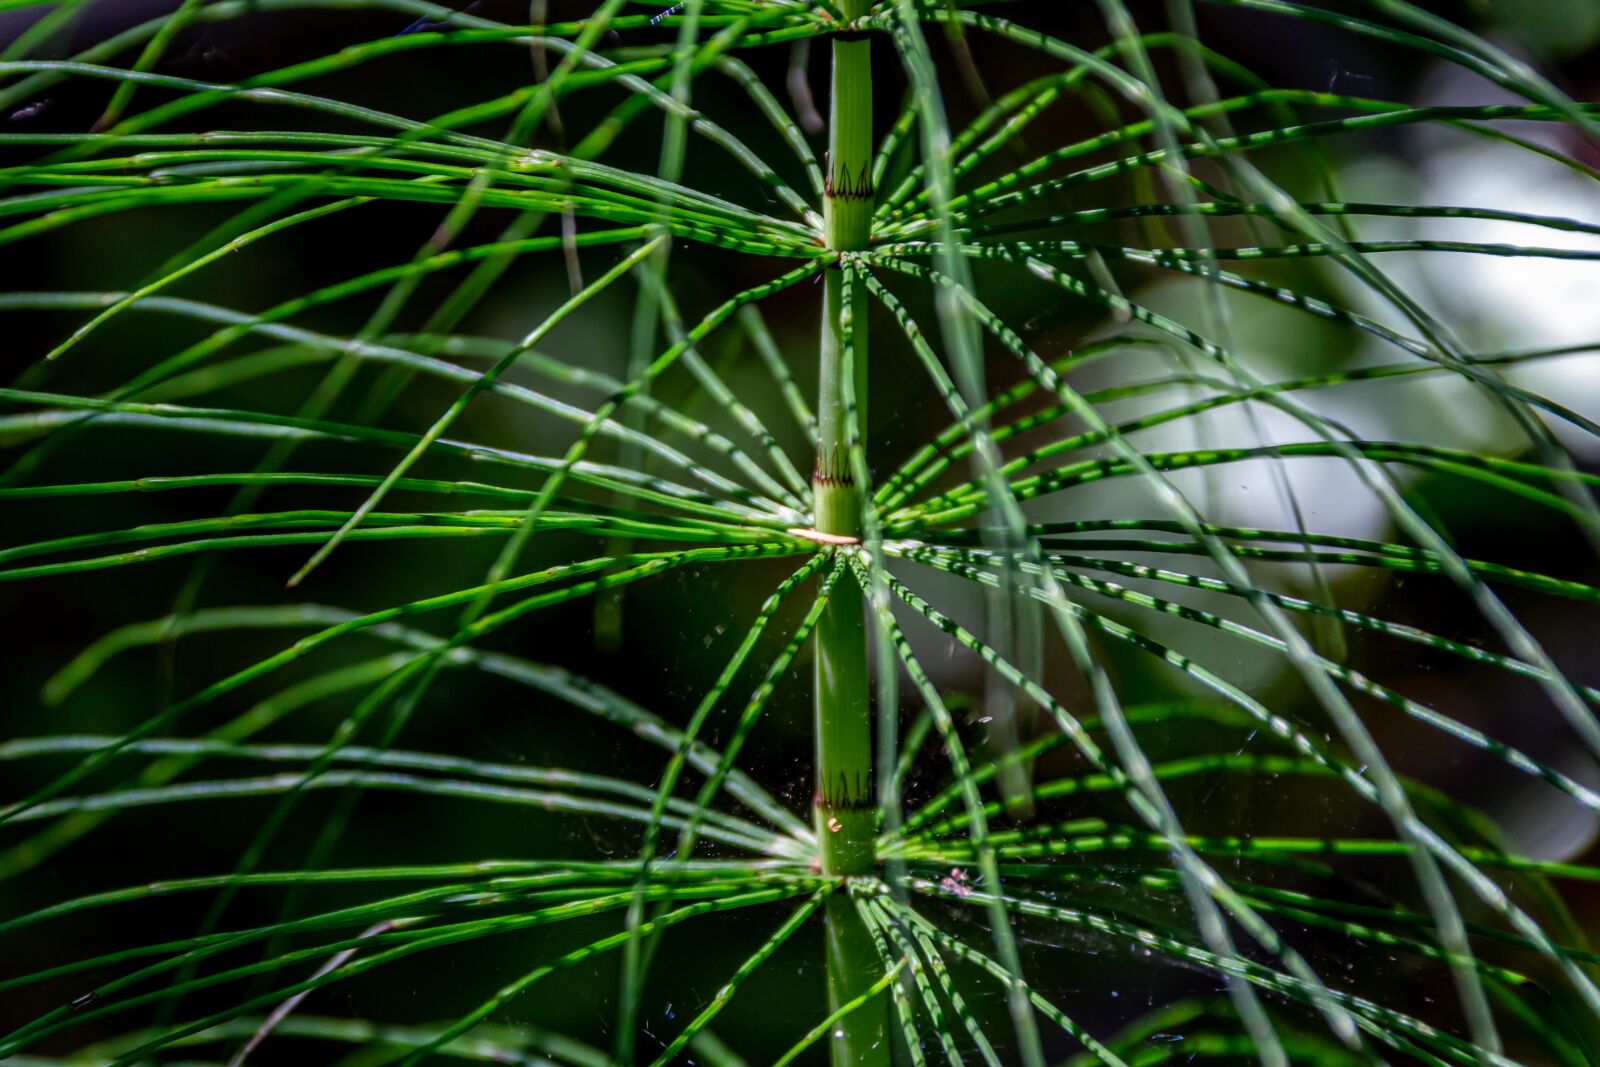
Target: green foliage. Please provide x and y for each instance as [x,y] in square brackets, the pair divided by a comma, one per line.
[1133,656]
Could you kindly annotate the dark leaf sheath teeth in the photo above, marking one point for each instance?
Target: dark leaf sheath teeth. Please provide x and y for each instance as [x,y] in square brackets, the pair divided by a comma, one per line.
[833,468]
[842,185]
[844,792]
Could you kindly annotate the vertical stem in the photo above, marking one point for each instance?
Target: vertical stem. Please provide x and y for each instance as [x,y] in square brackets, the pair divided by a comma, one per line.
[844,796]
[845,799]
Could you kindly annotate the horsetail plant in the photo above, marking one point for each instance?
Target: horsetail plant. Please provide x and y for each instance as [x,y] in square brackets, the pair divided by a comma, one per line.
[1050,667]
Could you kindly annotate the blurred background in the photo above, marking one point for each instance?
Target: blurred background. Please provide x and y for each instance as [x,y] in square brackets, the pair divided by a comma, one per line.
[676,632]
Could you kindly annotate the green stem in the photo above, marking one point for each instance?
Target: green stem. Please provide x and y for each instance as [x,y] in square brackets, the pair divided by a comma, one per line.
[844,804]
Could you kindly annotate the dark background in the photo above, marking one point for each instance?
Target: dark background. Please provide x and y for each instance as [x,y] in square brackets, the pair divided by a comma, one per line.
[678,630]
